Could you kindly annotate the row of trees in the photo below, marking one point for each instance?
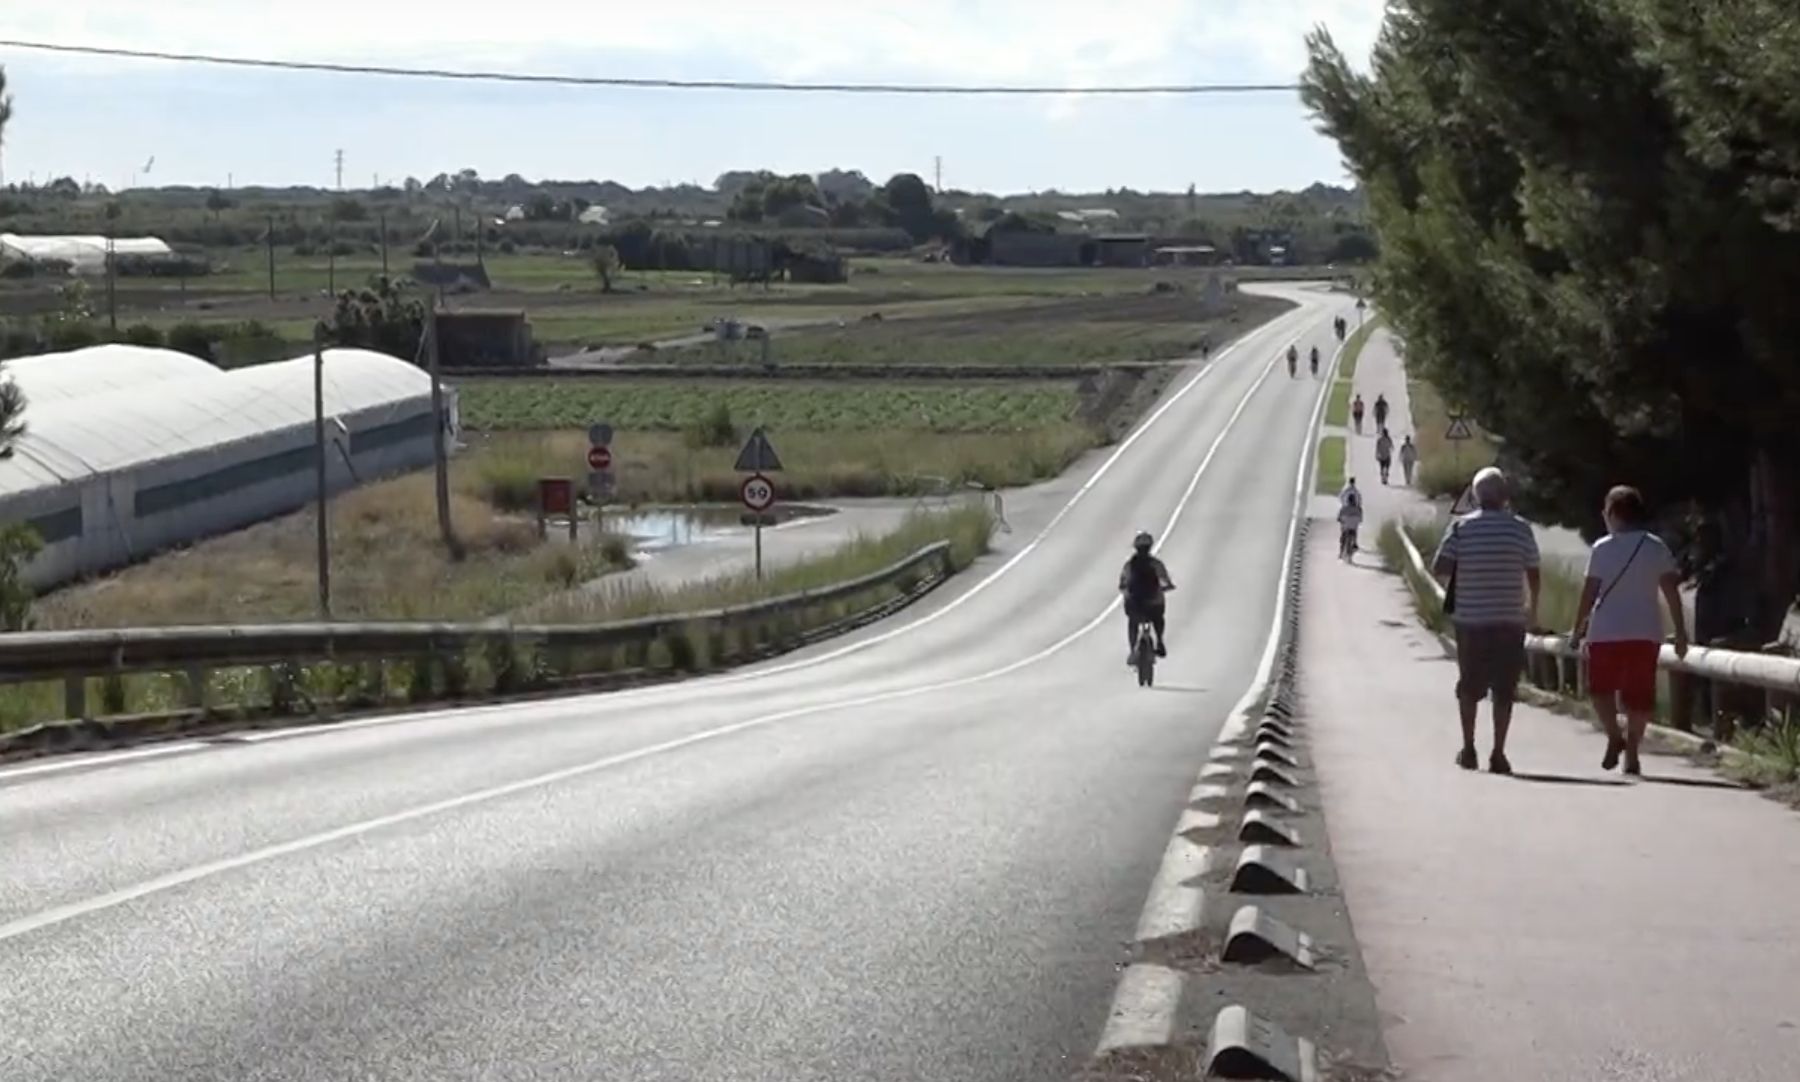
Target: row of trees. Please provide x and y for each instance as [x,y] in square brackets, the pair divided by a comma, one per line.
[844,199]
[1589,213]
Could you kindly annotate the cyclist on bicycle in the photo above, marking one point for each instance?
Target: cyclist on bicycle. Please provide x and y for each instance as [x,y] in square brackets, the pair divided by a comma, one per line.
[1315,360]
[1144,580]
[1293,361]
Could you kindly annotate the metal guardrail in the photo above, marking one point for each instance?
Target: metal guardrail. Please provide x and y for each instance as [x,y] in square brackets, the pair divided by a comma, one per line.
[1563,667]
[809,372]
[76,656]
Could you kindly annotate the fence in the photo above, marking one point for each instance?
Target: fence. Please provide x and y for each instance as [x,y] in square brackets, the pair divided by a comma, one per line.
[1556,665]
[518,657]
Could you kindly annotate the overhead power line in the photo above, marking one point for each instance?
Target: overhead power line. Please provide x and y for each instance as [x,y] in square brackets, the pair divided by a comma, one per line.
[644,83]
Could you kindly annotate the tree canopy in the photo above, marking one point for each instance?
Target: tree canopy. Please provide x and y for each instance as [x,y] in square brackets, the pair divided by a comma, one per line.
[1589,215]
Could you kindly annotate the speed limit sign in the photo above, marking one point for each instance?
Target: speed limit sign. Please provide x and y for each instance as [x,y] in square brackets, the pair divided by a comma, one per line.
[757,492]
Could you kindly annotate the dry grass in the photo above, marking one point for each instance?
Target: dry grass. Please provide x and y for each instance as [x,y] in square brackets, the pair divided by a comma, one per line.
[386,563]
[1445,466]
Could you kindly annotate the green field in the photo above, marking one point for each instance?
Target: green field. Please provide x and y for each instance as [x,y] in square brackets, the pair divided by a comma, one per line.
[668,405]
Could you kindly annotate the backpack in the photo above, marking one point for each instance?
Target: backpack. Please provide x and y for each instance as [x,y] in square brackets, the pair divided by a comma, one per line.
[1353,501]
[1142,580]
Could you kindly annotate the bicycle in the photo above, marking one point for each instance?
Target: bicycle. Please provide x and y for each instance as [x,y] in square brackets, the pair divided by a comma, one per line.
[1143,657]
[1347,544]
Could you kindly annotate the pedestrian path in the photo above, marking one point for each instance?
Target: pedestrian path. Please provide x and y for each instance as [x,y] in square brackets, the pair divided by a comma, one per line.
[1563,923]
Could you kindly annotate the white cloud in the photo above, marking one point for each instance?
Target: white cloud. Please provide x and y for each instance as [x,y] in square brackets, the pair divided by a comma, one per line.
[1060,42]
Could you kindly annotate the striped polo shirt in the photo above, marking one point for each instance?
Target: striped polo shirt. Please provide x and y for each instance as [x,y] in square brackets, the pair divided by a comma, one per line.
[1492,551]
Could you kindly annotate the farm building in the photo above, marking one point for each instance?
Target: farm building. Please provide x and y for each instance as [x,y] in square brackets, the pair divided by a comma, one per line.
[84,255]
[130,450]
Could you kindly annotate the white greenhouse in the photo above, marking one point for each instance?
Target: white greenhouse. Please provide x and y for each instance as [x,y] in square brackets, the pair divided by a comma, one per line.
[85,255]
[130,450]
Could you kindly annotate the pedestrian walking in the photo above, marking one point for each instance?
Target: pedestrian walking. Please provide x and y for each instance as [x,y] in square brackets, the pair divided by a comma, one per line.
[1384,454]
[1356,413]
[1621,626]
[1409,457]
[1350,516]
[1381,411]
[1489,563]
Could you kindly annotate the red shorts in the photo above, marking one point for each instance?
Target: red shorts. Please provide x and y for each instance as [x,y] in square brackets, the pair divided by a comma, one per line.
[1627,669]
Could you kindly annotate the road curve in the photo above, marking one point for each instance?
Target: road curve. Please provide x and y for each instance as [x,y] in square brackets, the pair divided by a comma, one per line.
[912,853]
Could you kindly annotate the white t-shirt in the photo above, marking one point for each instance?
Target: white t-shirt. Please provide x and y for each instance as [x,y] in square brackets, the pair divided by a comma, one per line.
[1632,609]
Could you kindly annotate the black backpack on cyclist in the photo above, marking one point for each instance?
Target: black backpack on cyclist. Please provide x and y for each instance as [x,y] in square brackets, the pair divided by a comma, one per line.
[1142,582]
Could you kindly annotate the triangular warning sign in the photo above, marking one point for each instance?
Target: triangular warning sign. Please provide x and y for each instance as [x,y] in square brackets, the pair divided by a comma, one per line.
[758,455]
[1459,430]
[1465,503]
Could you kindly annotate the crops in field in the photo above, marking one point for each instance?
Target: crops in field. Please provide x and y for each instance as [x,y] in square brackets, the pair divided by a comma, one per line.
[668,405]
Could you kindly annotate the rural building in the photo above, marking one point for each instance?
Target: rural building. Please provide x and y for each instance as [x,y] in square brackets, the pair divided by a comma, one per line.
[131,450]
[1187,255]
[452,277]
[1122,250]
[484,338]
[1030,248]
[82,254]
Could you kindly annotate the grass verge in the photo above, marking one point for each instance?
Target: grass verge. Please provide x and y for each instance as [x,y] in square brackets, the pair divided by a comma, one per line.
[1353,348]
[1337,407]
[1331,465]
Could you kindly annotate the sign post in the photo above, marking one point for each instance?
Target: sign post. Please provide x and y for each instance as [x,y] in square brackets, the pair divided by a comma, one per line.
[1457,433]
[757,491]
[600,466]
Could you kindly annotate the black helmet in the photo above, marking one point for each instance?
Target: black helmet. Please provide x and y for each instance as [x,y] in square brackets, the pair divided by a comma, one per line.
[1143,541]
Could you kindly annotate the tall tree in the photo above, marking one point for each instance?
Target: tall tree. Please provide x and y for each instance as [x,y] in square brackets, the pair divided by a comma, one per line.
[18,541]
[1596,251]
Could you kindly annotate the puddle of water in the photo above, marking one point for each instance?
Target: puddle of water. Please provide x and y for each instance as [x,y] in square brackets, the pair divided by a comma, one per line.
[655,528]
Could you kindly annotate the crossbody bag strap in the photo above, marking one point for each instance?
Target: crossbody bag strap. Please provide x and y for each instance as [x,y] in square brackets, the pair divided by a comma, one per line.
[1604,594]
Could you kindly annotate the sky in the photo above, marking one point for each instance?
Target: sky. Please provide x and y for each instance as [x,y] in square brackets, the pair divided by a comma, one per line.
[104,119]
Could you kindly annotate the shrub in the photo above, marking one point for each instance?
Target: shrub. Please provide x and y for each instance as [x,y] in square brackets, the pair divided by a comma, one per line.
[71,334]
[715,429]
[142,334]
[193,338]
[508,483]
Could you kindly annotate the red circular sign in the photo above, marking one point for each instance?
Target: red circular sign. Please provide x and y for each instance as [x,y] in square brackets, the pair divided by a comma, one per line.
[757,492]
[599,458]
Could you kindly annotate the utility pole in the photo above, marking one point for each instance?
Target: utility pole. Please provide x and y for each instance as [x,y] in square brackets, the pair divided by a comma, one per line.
[937,165]
[319,465]
[270,235]
[440,452]
[340,170]
[384,254]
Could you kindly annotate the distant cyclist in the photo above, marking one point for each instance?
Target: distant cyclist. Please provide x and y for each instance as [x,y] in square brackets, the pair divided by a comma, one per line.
[1315,361]
[1144,580]
[1293,362]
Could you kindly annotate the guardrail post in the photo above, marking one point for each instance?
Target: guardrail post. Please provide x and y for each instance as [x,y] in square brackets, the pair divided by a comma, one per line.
[75,697]
[198,687]
[1681,701]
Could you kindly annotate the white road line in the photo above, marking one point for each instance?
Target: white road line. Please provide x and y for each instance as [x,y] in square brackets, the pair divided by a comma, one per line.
[1175,907]
[106,759]
[1144,1006]
[1144,426]
[163,883]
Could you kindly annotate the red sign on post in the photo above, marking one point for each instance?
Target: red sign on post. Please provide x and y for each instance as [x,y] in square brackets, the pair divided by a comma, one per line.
[599,458]
[556,495]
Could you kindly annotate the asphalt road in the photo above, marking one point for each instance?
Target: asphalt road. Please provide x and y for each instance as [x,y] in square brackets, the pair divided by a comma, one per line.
[915,853]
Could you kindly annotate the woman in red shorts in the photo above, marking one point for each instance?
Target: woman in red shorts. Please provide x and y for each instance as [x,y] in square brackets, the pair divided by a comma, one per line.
[1622,623]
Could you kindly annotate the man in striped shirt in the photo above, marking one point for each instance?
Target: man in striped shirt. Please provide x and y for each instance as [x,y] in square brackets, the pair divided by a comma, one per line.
[1489,559]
